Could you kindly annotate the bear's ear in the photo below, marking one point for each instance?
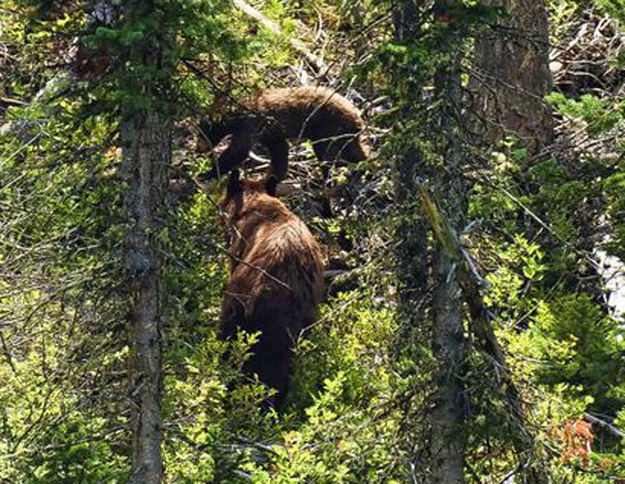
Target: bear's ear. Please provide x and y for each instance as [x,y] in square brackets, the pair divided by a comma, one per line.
[234,184]
[271,185]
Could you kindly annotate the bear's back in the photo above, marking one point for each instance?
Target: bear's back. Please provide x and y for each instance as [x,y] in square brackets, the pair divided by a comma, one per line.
[308,110]
[280,273]
[278,269]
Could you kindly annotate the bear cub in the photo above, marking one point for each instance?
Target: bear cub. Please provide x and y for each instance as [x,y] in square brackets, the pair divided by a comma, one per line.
[273,116]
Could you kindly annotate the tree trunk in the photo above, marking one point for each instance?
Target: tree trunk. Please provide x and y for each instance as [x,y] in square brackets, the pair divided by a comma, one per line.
[448,348]
[146,157]
[412,245]
[513,75]
[411,233]
[512,78]
[447,451]
[448,345]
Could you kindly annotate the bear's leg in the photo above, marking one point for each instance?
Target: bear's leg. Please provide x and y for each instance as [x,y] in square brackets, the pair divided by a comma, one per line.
[320,148]
[272,363]
[279,153]
[354,150]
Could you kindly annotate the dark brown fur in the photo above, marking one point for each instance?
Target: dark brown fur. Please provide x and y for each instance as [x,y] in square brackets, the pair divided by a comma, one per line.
[321,115]
[275,281]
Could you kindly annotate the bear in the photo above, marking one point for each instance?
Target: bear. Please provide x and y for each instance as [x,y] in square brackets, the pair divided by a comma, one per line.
[272,116]
[275,279]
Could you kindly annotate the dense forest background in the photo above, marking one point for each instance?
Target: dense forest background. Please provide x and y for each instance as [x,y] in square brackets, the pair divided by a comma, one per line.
[472,330]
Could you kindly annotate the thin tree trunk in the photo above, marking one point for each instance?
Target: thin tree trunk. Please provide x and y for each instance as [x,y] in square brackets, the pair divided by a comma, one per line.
[446,449]
[411,234]
[412,246]
[513,71]
[448,346]
[146,157]
[446,446]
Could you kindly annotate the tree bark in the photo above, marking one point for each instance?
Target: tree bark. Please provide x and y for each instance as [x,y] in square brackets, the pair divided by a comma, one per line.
[480,326]
[411,233]
[448,345]
[448,348]
[446,450]
[512,78]
[412,245]
[146,157]
[513,75]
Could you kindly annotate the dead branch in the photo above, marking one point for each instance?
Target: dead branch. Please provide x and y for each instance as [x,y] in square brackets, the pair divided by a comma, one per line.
[611,429]
[471,285]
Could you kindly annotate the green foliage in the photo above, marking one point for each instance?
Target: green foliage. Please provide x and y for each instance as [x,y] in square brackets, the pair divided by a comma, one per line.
[61,358]
[333,430]
[343,384]
[359,399]
[537,215]
[352,341]
[598,115]
[615,8]
[580,346]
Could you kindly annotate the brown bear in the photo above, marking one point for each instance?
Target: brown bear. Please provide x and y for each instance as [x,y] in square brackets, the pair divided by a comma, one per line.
[272,116]
[275,281]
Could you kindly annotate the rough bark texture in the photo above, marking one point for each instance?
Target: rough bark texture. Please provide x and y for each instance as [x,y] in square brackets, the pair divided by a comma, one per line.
[448,346]
[513,74]
[480,326]
[146,157]
[447,452]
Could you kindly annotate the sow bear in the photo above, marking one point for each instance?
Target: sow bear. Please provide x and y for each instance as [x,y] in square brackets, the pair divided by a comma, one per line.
[272,116]
[275,280]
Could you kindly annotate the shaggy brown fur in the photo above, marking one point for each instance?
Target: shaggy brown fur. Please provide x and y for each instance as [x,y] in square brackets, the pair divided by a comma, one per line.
[272,116]
[275,281]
